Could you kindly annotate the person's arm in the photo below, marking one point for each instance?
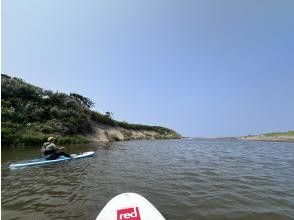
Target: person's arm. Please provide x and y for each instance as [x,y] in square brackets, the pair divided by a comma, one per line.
[44,147]
[58,148]
[53,147]
[61,148]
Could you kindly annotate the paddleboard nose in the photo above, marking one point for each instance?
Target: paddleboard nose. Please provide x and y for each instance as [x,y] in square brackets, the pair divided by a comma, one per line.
[129,206]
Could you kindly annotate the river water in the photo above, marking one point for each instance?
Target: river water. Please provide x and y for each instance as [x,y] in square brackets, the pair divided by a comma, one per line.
[185,179]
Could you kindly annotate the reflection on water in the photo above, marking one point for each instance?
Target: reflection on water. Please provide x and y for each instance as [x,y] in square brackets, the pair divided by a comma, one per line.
[184,179]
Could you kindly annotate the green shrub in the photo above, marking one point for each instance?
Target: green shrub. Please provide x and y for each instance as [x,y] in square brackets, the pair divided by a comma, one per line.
[71,140]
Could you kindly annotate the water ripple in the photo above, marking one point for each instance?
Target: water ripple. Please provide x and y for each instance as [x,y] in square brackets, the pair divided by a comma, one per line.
[185,179]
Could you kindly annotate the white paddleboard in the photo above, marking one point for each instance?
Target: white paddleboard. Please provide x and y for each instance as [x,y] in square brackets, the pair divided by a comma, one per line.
[129,206]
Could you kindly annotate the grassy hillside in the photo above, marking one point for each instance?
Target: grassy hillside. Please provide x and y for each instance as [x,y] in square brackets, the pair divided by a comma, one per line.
[274,136]
[280,134]
[30,114]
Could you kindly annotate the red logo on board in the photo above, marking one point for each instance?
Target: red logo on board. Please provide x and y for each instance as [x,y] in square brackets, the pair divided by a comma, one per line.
[128,214]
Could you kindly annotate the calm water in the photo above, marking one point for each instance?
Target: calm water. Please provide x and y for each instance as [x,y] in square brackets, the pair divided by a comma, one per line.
[184,179]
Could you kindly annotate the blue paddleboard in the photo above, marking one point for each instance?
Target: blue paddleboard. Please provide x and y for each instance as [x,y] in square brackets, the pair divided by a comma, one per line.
[42,161]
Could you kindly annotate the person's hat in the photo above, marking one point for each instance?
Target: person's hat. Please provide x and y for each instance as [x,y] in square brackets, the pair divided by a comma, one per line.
[50,139]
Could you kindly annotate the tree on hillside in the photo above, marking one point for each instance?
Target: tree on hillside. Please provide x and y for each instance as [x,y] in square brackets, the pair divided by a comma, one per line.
[109,115]
[84,101]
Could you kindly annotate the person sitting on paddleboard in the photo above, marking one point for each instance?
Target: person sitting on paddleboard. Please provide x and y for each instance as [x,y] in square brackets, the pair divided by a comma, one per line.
[51,151]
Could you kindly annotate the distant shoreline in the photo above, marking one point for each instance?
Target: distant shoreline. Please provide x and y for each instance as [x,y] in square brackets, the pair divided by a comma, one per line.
[282,137]
[268,138]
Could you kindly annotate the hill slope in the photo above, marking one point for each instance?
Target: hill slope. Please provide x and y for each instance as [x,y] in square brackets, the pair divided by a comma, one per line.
[30,114]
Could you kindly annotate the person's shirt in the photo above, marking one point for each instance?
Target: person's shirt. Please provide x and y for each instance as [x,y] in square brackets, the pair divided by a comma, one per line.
[49,148]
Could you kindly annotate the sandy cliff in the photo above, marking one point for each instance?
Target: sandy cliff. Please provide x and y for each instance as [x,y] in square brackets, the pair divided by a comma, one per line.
[105,133]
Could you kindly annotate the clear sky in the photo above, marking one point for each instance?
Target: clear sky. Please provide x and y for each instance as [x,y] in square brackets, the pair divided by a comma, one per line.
[202,67]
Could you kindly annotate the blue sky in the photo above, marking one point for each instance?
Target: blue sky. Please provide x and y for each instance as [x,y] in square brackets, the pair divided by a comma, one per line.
[204,68]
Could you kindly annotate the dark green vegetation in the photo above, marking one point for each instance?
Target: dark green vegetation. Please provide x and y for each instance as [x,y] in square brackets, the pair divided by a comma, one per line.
[31,114]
